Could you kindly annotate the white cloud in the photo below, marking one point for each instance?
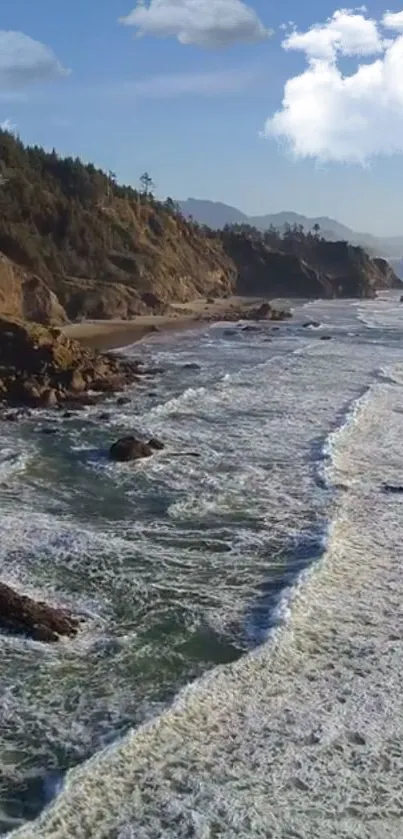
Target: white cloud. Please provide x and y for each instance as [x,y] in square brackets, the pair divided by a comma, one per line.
[346,33]
[393,20]
[23,61]
[209,84]
[332,116]
[204,23]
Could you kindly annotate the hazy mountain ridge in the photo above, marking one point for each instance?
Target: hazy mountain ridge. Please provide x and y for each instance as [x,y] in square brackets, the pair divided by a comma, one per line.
[217,214]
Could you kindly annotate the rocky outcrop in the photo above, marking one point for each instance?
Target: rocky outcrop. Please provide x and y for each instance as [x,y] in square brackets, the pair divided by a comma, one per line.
[386,276]
[40,367]
[263,312]
[131,448]
[264,271]
[314,268]
[23,295]
[20,614]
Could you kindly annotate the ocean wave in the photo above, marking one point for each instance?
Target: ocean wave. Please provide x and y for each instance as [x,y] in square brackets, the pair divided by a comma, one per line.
[301,736]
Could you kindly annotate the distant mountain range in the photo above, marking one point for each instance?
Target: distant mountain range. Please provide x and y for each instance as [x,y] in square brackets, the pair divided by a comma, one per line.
[217,215]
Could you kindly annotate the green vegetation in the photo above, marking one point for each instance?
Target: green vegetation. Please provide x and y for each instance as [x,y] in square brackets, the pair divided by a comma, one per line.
[107,250]
[59,216]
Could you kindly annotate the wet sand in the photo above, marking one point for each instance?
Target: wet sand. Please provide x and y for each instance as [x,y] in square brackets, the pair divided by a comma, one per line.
[112,334]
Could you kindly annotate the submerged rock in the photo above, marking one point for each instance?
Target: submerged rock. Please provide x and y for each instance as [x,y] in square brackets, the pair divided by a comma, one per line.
[156,444]
[395,489]
[130,448]
[22,615]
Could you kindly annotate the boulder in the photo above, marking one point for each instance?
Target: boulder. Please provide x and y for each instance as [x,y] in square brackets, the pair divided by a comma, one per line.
[48,398]
[41,367]
[22,615]
[313,324]
[77,382]
[156,444]
[264,311]
[130,448]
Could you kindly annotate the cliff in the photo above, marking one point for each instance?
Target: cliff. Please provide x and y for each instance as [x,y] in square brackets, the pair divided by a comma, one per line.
[303,265]
[103,249]
[75,244]
[24,295]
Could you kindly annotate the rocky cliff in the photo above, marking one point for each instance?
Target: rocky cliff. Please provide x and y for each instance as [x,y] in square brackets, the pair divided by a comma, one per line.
[304,266]
[103,249]
[24,295]
[75,244]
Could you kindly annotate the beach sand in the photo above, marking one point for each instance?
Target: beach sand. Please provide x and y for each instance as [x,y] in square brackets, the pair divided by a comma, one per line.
[112,334]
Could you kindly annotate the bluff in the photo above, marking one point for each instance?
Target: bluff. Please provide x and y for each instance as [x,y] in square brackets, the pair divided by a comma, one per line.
[302,264]
[75,244]
[103,249]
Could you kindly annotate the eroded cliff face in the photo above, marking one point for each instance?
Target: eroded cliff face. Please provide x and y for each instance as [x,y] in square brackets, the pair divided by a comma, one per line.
[23,295]
[316,268]
[75,244]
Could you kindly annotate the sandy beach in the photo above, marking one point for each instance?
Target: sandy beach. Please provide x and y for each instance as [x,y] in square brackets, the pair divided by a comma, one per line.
[111,334]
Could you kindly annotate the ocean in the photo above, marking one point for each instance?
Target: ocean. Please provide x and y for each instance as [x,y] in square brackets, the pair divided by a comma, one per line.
[240,670]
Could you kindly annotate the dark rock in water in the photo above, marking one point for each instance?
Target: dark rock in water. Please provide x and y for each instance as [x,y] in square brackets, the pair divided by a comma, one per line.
[396,489]
[191,366]
[156,444]
[130,448]
[48,398]
[48,431]
[264,311]
[22,615]
[230,332]
[67,414]
[325,337]
[311,323]
[11,417]
[75,407]
[122,400]
[104,416]
[401,299]
[249,328]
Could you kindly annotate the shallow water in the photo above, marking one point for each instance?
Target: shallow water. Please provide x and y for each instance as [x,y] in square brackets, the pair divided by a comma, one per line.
[274,555]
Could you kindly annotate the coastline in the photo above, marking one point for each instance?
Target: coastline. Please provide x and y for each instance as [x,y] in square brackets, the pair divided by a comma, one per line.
[106,335]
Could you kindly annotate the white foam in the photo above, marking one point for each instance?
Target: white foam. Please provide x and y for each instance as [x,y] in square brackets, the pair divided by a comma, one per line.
[384,312]
[304,736]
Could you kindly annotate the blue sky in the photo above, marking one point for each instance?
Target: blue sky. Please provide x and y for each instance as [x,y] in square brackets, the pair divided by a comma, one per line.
[197,99]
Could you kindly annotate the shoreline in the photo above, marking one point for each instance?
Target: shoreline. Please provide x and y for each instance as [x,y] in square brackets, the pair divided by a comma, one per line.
[104,335]
[113,335]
